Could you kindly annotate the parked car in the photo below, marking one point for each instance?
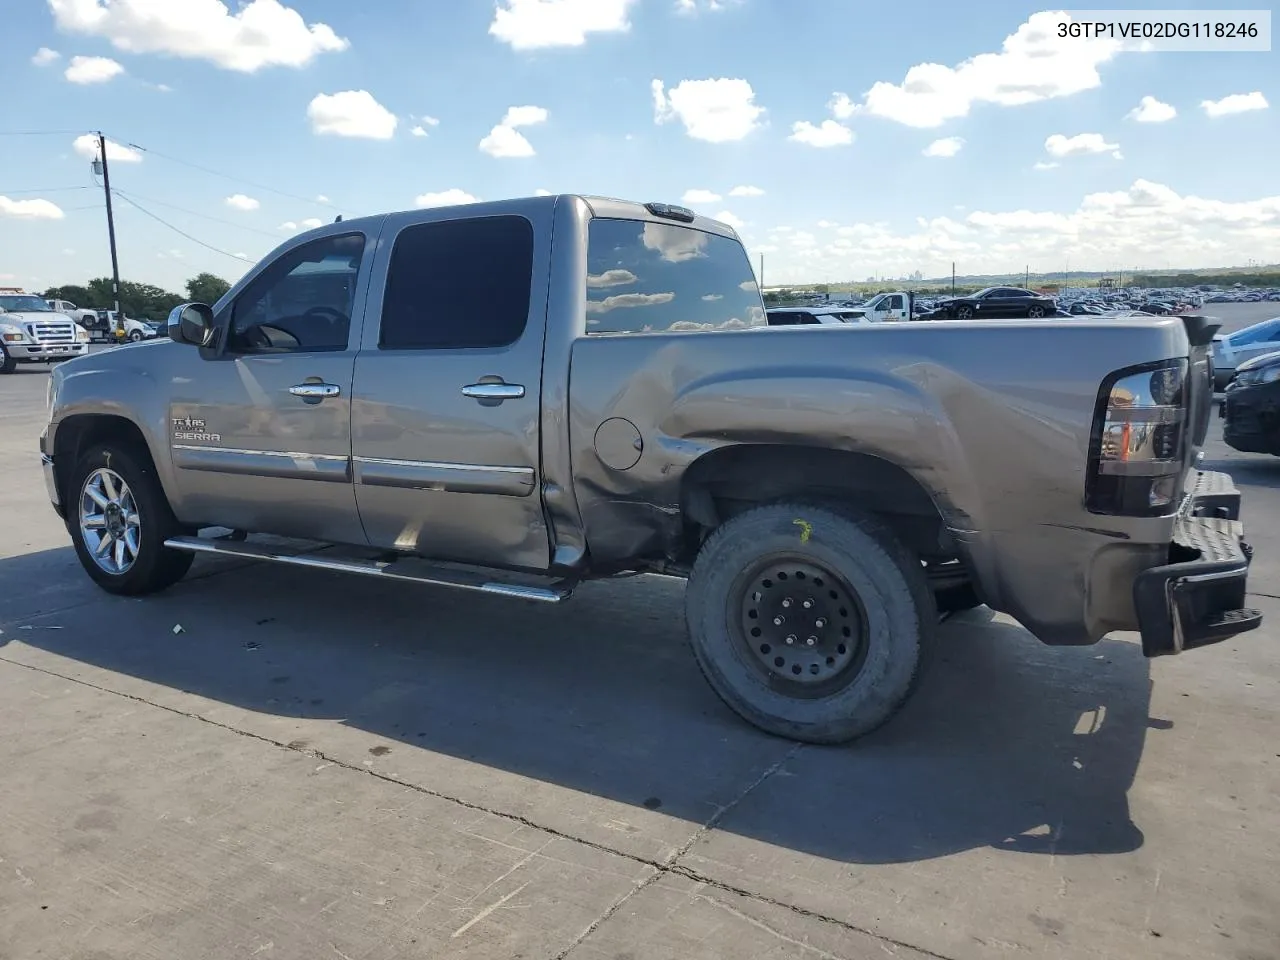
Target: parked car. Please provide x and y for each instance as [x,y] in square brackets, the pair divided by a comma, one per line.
[1251,408]
[614,403]
[796,316]
[32,332]
[1233,349]
[998,302]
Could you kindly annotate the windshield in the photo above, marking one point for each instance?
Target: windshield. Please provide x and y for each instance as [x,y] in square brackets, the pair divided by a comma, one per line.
[24,304]
[981,293]
[1258,333]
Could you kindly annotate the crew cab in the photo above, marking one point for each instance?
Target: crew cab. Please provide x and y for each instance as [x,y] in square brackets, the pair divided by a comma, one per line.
[32,332]
[616,403]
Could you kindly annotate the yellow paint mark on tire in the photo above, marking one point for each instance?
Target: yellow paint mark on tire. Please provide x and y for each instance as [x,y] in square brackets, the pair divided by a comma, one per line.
[806,529]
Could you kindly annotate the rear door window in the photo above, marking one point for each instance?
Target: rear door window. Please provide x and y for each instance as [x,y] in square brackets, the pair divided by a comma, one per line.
[458,284]
[658,278]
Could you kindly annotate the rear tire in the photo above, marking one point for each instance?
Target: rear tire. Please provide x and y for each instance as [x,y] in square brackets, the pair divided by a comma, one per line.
[872,620]
[134,522]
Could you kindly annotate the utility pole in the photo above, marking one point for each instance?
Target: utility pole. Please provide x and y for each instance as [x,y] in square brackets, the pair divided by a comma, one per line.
[100,166]
[1026,279]
[953,278]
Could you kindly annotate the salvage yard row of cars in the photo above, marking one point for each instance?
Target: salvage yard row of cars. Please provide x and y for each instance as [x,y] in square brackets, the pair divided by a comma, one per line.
[612,411]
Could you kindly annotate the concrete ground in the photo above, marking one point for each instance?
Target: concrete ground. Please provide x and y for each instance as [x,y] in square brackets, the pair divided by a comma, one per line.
[275,763]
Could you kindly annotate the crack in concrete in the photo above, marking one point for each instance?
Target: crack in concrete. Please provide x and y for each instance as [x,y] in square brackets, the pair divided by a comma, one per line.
[660,868]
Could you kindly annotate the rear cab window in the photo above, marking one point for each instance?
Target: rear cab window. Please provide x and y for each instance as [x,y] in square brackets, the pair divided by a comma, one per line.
[645,277]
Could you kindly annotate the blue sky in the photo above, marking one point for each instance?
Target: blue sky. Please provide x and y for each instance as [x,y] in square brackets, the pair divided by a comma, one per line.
[1030,154]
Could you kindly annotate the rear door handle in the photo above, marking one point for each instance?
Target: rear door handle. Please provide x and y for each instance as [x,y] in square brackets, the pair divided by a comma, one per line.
[493,391]
[315,391]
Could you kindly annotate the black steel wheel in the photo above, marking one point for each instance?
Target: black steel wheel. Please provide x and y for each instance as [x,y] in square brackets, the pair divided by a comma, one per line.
[812,623]
[803,625]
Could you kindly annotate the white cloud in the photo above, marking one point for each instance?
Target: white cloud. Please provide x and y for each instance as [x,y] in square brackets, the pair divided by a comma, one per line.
[1151,110]
[616,277]
[696,195]
[724,216]
[946,147]
[351,113]
[712,297]
[1034,64]
[541,192]
[1235,103]
[261,33]
[538,24]
[1146,224]
[746,191]
[241,255]
[625,300]
[505,140]
[30,209]
[288,226]
[424,121]
[1044,165]
[311,223]
[827,224]
[689,7]
[445,198]
[524,116]
[86,145]
[717,110]
[321,198]
[86,70]
[827,134]
[1081,144]
[45,56]
[674,244]
[841,107]
[238,201]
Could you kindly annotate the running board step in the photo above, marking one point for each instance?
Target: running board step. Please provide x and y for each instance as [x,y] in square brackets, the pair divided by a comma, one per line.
[408,569]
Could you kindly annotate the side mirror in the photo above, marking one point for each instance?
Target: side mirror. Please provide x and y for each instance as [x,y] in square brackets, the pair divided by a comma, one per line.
[191,323]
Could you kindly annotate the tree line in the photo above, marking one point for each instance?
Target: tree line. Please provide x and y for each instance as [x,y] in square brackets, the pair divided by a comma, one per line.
[142,301]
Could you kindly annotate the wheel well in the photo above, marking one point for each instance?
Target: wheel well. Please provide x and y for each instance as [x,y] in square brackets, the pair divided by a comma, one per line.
[727,481]
[76,434]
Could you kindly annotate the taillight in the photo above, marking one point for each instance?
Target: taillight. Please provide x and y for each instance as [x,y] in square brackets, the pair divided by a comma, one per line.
[1139,440]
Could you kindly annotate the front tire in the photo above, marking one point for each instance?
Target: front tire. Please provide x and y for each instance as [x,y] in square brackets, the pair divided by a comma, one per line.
[964,313]
[135,337]
[7,363]
[119,519]
[810,624]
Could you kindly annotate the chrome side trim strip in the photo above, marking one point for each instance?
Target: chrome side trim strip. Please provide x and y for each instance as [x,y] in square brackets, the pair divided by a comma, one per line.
[263,463]
[440,465]
[445,477]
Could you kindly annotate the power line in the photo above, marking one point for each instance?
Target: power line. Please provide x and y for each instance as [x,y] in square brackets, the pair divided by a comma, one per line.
[182,233]
[12,193]
[39,133]
[233,178]
[174,206]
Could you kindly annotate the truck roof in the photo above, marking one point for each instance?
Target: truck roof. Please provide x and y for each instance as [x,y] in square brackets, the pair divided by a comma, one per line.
[595,206]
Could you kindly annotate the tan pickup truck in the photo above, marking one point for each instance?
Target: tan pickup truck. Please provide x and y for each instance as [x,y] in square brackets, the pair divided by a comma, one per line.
[514,397]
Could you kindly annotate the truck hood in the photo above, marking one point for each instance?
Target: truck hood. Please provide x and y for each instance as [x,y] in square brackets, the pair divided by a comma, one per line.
[33,316]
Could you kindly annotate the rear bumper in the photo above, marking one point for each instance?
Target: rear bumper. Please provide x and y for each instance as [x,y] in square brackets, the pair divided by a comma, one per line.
[1199,597]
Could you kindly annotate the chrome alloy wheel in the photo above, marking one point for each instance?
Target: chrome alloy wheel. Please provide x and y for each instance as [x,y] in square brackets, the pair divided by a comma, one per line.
[109,521]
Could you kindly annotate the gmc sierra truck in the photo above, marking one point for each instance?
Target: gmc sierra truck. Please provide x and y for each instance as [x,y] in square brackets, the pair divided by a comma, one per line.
[515,397]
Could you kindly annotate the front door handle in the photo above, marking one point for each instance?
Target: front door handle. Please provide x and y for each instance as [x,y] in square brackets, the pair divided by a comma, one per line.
[493,391]
[315,391]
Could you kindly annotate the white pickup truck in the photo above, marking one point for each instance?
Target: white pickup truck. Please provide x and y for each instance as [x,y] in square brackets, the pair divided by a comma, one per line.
[884,307]
[33,332]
